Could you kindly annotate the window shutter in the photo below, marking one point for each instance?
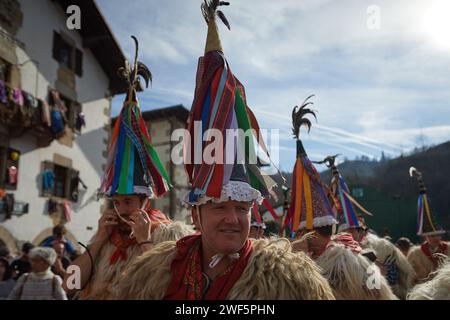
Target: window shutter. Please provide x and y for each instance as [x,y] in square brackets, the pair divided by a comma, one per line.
[57,42]
[78,62]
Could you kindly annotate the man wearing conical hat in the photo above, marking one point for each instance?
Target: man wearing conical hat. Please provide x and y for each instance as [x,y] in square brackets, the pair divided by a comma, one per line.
[257,230]
[343,204]
[133,175]
[392,263]
[312,218]
[427,257]
[220,262]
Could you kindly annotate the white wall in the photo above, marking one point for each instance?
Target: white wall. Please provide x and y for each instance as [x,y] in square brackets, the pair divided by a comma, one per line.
[40,19]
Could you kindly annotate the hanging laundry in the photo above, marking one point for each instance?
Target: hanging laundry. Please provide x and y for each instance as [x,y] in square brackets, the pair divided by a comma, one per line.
[30,101]
[48,180]
[52,206]
[18,96]
[81,122]
[67,210]
[58,102]
[12,175]
[57,121]
[9,95]
[55,97]
[27,99]
[46,118]
[3,97]
[34,102]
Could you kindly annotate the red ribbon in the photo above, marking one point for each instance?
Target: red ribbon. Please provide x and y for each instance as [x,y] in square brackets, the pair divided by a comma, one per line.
[186,269]
[425,247]
[270,209]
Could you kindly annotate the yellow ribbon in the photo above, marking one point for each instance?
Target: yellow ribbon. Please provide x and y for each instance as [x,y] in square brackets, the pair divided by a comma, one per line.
[308,200]
[427,210]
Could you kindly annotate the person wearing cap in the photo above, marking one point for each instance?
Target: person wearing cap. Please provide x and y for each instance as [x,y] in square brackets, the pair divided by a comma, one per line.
[133,175]
[394,265]
[220,261]
[312,219]
[59,235]
[404,245]
[427,257]
[343,204]
[22,264]
[256,230]
[41,283]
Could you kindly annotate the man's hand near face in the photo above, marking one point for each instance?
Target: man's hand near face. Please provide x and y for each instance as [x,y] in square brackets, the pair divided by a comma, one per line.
[105,225]
[140,225]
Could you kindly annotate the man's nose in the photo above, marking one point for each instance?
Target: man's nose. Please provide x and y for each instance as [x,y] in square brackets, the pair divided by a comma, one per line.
[231,215]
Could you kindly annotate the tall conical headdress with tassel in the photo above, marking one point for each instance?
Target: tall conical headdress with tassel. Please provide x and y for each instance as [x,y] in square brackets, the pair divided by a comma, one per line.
[344,205]
[309,206]
[133,166]
[220,105]
[427,223]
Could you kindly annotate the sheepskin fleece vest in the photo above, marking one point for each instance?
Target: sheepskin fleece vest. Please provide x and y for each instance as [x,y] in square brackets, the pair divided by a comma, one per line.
[107,276]
[272,272]
[422,265]
[387,251]
[350,275]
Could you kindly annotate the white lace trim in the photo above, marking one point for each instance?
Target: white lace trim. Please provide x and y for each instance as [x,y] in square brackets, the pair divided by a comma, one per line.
[432,233]
[320,222]
[137,190]
[233,190]
[144,190]
[258,225]
[344,226]
[217,257]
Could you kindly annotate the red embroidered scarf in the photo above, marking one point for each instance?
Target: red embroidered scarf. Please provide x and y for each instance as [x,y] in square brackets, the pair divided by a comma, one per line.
[344,239]
[157,217]
[425,247]
[186,270]
[347,240]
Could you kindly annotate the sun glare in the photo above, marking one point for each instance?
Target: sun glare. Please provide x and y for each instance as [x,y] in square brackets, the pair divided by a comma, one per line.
[436,23]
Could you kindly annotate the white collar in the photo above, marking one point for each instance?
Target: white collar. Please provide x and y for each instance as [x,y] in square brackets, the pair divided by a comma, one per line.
[45,275]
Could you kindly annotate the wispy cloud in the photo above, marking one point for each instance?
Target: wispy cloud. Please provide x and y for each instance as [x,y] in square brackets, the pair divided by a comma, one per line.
[376,90]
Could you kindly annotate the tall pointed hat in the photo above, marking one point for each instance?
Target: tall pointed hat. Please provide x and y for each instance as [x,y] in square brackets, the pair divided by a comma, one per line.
[309,206]
[348,211]
[427,221]
[133,166]
[219,166]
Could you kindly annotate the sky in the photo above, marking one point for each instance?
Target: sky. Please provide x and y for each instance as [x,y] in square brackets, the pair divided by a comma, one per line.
[379,69]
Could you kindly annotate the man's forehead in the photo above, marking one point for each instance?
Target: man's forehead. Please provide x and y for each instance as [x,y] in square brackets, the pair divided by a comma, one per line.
[120,197]
[229,203]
